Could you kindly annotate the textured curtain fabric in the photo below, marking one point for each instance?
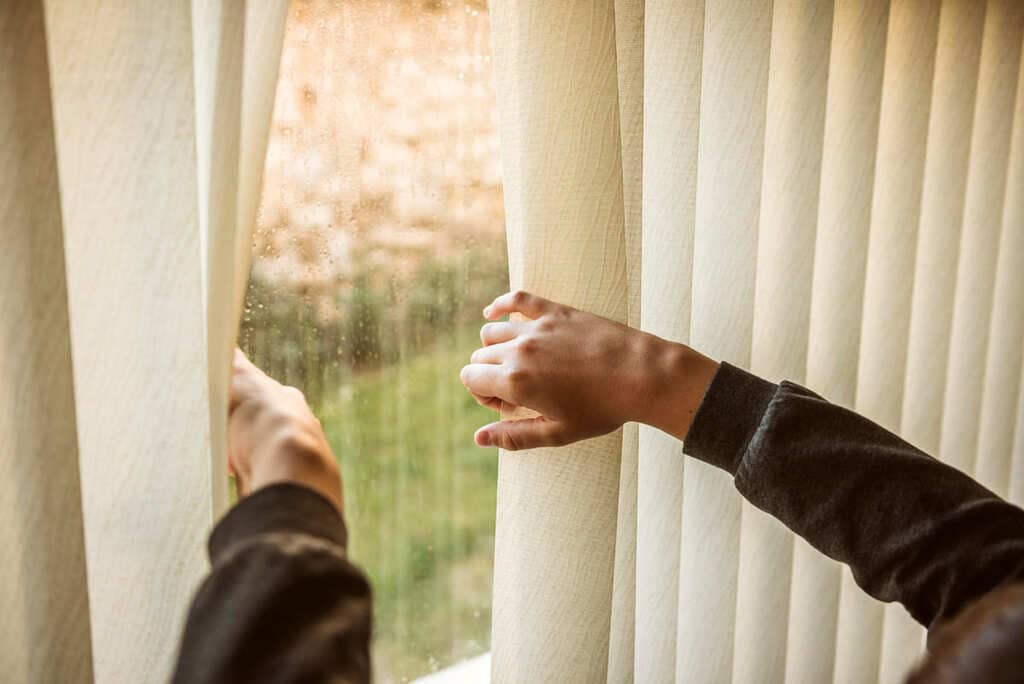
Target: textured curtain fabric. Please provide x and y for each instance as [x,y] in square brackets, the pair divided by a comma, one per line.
[139,193]
[827,192]
[44,611]
[564,202]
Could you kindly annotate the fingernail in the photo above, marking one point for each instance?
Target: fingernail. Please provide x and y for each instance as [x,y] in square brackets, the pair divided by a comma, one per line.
[483,439]
[487,311]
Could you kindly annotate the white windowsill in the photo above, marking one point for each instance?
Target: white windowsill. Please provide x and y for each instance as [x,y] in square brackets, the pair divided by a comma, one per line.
[473,671]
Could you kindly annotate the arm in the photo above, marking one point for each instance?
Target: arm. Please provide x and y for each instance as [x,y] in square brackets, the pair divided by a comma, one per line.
[912,529]
[281,602]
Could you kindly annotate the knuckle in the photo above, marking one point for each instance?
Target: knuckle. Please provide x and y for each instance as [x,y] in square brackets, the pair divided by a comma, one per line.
[518,377]
[527,346]
[519,297]
[546,324]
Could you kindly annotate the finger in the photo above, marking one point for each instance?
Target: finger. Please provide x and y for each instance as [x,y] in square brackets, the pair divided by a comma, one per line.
[486,380]
[245,379]
[492,333]
[515,435]
[496,353]
[518,301]
[492,403]
[240,362]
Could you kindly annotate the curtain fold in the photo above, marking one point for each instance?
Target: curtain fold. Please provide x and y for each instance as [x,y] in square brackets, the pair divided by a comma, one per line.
[558,96]
[237,52]
[673,50]
[629,60]
[829,194]
[794,133]
[140,193]
[124,113]
[44,607]
[998,416]
[734,80]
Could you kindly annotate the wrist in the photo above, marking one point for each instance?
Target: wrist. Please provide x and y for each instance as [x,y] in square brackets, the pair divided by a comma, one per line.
[677,379]
[293,456]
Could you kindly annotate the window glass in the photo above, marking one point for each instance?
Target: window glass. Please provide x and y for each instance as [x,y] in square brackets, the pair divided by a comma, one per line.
[380,239]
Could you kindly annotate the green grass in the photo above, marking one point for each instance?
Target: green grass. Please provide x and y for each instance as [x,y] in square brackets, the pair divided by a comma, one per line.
[420,503]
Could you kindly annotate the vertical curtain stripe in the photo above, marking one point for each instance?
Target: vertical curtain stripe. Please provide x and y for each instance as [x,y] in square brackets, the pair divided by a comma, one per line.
[1006,334]
[1008,292]
[732,123]
[629,60]
[237,49]
[844,211]
[218,42]
[942,206]
[558,89]
[892,249]
[794,132]
[124,113]
[983,208]
[895,214]
[44,609]
[673,52]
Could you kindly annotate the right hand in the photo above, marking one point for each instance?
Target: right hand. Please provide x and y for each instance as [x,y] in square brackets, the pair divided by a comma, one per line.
[274,437]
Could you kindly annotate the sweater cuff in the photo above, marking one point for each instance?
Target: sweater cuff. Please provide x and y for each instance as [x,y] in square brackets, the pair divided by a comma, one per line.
[284,507]
[728,417]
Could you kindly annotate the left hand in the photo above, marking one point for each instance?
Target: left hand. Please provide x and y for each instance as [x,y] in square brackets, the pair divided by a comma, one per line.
[585,375]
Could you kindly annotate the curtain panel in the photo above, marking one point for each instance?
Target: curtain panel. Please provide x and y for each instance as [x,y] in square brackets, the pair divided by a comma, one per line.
[826,192]
[133,139]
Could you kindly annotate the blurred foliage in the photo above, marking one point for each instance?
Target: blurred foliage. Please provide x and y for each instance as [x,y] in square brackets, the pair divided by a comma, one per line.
[314,340]
[379,361]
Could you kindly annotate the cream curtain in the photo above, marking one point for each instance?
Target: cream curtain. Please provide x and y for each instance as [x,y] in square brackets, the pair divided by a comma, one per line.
[828,192]
[126,217]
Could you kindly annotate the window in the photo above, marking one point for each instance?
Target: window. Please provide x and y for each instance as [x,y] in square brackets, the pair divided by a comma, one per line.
[380,238]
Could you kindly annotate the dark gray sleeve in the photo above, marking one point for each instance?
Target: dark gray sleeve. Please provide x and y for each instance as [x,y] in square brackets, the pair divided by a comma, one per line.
[911,528]
[282,603]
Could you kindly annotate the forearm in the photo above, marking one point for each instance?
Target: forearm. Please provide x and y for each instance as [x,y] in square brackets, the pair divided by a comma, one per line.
[282,602]
[912,529]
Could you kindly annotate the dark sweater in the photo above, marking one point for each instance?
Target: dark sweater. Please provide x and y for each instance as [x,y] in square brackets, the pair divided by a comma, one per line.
[283,603]
[911,528]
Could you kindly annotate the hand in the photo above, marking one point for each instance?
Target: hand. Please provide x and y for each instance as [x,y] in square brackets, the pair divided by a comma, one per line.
[274,437]
[583,374]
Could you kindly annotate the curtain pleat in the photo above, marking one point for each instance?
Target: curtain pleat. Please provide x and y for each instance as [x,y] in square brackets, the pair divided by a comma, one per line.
[794,132]
[558,96]
[237,48]
[892,248]
[734,84]
[44,608]
[848,165]
[219,41]
[124,113]
[629,60]
[1006,329]
[1009,287]
[673,53]
[983,208]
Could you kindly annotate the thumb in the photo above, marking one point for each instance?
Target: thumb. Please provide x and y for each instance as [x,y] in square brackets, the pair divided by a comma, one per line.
[514,435]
